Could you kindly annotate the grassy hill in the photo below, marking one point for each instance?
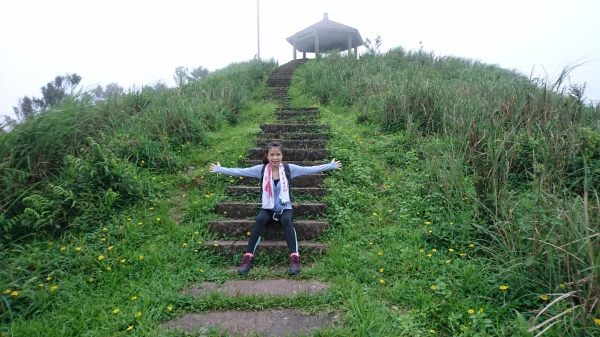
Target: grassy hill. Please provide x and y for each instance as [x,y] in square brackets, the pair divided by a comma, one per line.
[468,203]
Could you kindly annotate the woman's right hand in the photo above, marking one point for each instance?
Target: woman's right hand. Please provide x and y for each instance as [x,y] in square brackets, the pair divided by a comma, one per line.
[213,167]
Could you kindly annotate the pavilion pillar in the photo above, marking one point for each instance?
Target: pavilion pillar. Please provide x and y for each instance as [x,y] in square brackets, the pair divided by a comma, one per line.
[303,54]
[349,44]
[316,43]
[356,52]
[294,45]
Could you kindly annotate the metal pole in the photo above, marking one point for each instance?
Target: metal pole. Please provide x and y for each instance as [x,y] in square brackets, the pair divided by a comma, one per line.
[258,27]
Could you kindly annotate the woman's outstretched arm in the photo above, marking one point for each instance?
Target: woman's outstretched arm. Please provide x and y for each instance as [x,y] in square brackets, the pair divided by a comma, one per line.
[297,171]
[252,172]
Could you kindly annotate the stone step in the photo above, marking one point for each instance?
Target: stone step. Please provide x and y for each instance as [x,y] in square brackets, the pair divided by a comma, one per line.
[254,162]
[241,190]
[305,230]
[294,144]
[298,119]
[295,121]
[309,180]
[309,109]
[285,115]
[270,247]
[292,136]
[281,322]
[299,155]
[241,210]
[286,128]
[267,287]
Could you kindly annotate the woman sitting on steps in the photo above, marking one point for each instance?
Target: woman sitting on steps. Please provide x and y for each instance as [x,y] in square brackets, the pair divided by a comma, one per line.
[276,204]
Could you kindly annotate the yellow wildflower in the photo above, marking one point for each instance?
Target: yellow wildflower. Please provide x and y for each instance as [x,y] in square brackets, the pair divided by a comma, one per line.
[116,311]
[432,331]
[434,250]
[544,297]
[141,257]
[432,287]
[53,288]
[48,278]
[184,244]
[462,254]
[104,229]
[103,239]
[139,223]
[448,261]
[157,219]
[216,245]
[562,285]
[14,293]
[428,255]
[481,310]
[380,253]
[134,298]
[471,311]
[169,308]
[78,248]
[108,268]
[138,314]
[597,320]
[421,251]
[381,281]
[91,279]
[7,291]
[427,222]
[123,261]
[201,270]
[101,257]
[129,328]
[381,270]
[40,285]
[375,214]
[63,248]
[151,208]
[247,233]
[196,233]
[472,245]
[451,250]
[503,287]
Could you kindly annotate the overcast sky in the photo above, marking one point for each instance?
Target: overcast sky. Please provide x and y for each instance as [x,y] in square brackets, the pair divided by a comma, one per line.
[139,42]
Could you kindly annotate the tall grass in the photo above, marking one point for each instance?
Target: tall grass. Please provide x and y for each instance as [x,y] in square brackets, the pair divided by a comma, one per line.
[525,151]
[144,129]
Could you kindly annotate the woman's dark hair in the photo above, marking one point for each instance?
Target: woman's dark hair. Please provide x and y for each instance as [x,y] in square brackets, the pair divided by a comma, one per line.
[270,146]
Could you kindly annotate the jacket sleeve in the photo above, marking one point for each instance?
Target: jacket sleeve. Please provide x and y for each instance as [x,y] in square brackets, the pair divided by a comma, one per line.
[297,171]
[252,172]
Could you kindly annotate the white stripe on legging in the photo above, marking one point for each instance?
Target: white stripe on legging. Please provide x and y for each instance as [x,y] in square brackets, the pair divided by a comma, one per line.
[296,237]
[256,245]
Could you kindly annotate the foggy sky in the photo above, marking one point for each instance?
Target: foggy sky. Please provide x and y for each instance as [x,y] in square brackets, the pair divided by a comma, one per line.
[140,42]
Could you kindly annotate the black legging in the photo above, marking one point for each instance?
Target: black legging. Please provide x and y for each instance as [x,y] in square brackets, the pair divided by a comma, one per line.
[264,216]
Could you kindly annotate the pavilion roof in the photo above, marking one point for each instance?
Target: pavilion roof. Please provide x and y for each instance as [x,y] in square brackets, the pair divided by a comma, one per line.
[332,35]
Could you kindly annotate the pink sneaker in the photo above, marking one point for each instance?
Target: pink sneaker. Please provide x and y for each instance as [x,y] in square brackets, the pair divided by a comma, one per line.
[294,264]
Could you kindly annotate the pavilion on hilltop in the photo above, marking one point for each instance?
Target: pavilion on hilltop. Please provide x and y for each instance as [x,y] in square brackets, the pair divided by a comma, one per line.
[325,35]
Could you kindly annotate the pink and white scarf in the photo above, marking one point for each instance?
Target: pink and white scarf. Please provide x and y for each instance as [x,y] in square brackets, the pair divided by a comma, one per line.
[268,199]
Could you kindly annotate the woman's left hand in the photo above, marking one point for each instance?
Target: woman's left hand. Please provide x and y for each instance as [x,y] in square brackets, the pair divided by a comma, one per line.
[338,163]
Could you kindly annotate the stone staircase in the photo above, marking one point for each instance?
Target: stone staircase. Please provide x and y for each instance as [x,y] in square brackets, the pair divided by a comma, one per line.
[304,142]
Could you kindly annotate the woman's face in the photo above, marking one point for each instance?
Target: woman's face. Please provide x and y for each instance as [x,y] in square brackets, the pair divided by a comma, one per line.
[275,156]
